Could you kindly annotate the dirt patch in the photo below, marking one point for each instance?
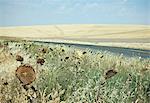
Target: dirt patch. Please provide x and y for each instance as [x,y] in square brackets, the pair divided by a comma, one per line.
[25,74]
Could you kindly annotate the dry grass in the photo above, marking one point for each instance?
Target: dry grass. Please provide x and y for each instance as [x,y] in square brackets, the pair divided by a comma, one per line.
[145,46]
[71,75]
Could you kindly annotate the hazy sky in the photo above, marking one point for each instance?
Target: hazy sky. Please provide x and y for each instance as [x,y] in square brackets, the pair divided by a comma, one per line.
[38,12]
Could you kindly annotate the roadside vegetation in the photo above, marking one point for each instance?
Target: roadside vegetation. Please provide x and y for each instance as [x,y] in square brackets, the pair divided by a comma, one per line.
[65,74]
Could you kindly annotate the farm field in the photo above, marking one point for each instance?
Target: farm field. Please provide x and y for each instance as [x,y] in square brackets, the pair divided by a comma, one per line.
[131,36]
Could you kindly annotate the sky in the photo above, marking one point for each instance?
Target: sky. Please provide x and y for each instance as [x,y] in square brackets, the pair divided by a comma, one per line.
[47,12]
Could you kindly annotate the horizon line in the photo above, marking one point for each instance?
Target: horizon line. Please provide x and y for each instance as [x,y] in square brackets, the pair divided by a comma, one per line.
[75,24]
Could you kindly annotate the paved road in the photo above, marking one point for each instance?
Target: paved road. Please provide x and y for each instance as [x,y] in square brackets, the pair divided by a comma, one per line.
[117,50]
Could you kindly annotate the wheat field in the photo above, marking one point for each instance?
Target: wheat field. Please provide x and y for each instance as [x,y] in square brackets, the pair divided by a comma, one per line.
[132,36]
